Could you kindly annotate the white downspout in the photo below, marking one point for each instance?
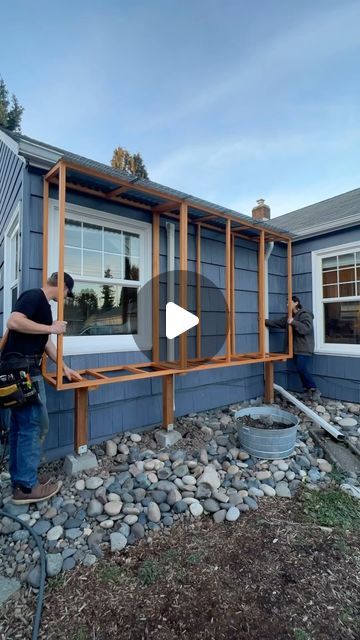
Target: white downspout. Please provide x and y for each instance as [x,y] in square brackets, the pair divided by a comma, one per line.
[268,252]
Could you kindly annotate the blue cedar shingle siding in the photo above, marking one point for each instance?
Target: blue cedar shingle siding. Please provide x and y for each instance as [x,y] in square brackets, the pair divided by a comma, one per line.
[11,179]
[126,406]
[336,376]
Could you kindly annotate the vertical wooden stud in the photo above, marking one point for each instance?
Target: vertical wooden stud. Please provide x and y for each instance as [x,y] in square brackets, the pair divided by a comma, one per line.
[198,290]
[183,278]
[232,297]
[60,307]
[228,289]
[261,286]
[45,247]
[168,401]
[156,287]
[289,284]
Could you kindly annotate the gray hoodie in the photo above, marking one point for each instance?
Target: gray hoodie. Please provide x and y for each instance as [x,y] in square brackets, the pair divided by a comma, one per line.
[303,331]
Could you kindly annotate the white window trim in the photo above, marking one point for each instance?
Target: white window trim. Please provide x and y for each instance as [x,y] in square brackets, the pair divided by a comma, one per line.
[321,347]
[14,224]
[77,345]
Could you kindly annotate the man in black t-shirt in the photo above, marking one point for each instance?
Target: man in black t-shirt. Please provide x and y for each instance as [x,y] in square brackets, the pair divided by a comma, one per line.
[30,326]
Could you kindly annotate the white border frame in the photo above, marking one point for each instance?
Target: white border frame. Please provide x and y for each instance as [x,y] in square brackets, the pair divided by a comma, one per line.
[322,347]
[15,222]
[81,345]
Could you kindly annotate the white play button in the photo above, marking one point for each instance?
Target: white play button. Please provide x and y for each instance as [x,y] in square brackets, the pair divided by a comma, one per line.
[178,320]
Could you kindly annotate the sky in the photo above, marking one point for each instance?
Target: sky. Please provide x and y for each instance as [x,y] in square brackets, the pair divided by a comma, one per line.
[227,100]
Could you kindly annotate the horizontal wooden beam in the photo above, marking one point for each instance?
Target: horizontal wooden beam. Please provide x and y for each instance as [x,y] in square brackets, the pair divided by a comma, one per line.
[117,191]
[166,207]
[103,194]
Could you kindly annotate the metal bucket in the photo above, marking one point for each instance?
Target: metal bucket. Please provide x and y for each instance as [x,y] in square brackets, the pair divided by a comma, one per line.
[268,443]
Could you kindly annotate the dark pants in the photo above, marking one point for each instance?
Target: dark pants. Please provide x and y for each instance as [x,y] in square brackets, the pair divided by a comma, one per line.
[29,425]
[302,363]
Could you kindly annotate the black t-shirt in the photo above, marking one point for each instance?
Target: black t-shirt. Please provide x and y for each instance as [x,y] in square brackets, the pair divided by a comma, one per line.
[34,305]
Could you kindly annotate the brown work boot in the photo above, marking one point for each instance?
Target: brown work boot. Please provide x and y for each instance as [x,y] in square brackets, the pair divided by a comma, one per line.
[37,493]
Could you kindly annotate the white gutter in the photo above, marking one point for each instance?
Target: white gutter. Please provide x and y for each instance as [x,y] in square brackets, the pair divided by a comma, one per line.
[170,293]
[310,413]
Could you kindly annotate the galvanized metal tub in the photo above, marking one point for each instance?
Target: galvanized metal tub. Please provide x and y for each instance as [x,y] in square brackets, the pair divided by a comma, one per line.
[268,443]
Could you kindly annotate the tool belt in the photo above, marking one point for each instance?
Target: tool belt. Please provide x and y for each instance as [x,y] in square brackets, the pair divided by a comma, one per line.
[16,385]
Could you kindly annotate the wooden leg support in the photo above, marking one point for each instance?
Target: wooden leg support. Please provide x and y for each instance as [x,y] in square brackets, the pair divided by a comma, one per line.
[81,419]
[269,382]
[168,401]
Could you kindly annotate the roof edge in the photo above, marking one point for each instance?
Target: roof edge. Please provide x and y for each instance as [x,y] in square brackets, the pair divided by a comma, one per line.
[9,141]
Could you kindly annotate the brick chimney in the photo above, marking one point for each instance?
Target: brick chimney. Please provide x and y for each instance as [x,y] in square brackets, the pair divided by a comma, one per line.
[261,211]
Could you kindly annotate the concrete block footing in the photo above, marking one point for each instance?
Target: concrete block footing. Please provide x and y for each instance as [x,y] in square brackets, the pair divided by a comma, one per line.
[75,463]
[167,438]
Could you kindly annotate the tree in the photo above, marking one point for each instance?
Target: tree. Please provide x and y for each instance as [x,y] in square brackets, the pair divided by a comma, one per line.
[10,115]
[108,293]
[133,164]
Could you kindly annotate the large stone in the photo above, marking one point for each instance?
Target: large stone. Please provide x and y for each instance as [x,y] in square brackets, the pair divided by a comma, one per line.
[196,509]
[8,586]
[211,505]
[232,514]
[113,508]
[324,465]
[153,512]
[95,508]
[55,533]
[111,448]
[210,477]
[118,542]
[33,577]
[263,475]
[54,563]
[219,516]
[268,491]
[282,490]
[348,422]
[94,482]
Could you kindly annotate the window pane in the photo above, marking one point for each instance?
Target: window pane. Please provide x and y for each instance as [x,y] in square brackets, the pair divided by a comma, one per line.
[347,289]
[132,269]
[14,297]
[92,264]
[101,310]
[330,291]
[112,266]
[329,263]
[132,244]
[92,237]
[72,261]
[342,322]
[73,233]
[346,275]
[112,241]
[329,277]
[347,259]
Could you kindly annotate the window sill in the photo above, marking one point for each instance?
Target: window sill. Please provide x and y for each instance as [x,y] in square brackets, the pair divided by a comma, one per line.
[346,354]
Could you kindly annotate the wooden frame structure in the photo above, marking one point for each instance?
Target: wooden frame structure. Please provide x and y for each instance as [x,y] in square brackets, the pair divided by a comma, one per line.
[179,209]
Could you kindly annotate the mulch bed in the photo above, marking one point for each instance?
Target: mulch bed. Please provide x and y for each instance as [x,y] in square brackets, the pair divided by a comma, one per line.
[269,576]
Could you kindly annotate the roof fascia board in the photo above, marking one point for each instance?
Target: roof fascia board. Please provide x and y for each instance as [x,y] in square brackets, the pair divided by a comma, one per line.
[319,231]
[10,142]
[38,155]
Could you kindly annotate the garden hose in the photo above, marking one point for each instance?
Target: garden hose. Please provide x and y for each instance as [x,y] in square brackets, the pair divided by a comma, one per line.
[40,598]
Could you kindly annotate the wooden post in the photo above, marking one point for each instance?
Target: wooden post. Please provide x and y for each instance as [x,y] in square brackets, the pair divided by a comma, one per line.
[60,307]
[198,290]
[45,247]
[183,278]
[168,401]
[155,287]
[81,419]
[289,283]
[261,285]
[228,289]
[269,382]
[232,297]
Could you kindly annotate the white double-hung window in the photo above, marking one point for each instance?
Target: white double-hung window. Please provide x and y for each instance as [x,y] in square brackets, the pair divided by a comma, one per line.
[109,258]
[336,298]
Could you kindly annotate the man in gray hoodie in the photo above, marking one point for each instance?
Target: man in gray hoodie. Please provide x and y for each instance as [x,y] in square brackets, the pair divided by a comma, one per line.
[303,334]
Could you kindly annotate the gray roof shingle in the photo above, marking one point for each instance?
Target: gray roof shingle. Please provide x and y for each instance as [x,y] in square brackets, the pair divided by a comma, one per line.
[331,214]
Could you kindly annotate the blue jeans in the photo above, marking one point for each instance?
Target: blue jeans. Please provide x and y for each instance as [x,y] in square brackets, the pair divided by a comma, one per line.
[302,363]
[29,425]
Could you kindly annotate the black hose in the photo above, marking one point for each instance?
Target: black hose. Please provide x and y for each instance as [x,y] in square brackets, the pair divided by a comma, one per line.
[40,599]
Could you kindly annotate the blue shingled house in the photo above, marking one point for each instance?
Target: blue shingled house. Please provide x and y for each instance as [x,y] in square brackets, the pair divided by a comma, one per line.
[109,229]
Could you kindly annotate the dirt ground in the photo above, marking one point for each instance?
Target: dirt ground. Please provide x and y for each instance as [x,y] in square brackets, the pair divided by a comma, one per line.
[275,574]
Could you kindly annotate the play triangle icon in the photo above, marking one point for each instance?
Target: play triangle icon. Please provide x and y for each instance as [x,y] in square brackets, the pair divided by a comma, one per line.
[178,320]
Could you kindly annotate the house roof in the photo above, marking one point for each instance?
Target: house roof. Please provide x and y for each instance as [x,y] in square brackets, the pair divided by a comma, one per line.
[46,155]
[329,215]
